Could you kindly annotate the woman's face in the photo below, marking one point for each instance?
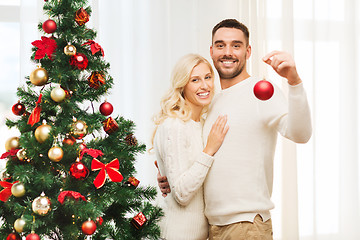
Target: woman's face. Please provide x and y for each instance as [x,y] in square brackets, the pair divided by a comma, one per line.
[198,92]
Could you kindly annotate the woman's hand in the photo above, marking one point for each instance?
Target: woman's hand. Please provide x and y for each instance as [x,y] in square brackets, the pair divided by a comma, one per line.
[216,135]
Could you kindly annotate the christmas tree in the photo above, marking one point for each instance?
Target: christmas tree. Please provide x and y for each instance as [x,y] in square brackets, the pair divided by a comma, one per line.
[70,173]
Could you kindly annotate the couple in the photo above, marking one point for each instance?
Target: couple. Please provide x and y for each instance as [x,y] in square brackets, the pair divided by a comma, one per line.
[224,192]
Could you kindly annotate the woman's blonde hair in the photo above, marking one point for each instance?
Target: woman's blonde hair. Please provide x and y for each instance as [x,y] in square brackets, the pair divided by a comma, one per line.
[173,102]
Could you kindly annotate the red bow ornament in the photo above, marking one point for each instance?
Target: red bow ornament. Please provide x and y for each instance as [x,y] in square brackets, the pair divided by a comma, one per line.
[111,170]
[95,47]
[6,192]
[75,195]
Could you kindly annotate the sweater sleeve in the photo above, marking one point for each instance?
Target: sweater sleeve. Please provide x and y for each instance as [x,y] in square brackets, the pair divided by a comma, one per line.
[184,179]
[296,124]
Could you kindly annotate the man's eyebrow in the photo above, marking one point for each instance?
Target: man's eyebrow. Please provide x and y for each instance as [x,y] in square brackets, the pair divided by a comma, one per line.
[234,41]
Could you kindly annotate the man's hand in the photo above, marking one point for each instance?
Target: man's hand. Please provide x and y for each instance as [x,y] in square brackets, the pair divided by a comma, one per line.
[284,65]
[162,183]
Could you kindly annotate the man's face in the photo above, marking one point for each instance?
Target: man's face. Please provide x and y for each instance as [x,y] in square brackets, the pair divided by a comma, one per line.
[229,52]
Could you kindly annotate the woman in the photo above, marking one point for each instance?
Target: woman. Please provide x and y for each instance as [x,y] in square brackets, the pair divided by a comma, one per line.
[179,149]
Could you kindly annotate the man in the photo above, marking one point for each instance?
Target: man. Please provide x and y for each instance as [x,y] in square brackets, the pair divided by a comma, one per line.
[238,187]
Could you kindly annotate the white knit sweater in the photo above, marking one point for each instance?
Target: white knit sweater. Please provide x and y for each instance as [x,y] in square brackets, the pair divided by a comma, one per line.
[178,147]
[240,181]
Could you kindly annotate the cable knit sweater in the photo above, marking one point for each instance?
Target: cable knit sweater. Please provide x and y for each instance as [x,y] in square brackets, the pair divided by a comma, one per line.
[178,147]
[239,184]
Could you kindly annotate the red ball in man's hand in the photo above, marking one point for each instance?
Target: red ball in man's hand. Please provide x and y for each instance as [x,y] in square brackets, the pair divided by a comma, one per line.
[263,90]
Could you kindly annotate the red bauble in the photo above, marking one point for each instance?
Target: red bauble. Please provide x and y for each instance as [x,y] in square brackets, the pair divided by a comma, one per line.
[79,171]
[79,60]
[106,108]
[263,90]
[18,109]
[69,140]
[33,236]
[88,227]
[13,236]
[49,26]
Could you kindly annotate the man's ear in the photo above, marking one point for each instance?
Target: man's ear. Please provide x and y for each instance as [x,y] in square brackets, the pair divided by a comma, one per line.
[248,52]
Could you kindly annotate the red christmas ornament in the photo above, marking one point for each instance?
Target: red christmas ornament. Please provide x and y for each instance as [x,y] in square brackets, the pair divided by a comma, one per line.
[110,125]
[263,90]
[18,109]
[69,140]
[88,227]
[106,108]
[96,79]
[49,26]
[79,171]
[139,220]
[79,61]
[33,236]
[13,236]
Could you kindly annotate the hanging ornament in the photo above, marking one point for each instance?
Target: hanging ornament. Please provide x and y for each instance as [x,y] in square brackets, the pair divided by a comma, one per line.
[96,79]
[69,140]
[81,17]
[12,143]
[263,90]
[21,155]
[131,140]
[78,170]
[18,109]
[39,76]
[88,227]
[42,132]
[78,129]
[18,189]
[70,50]
[139,220]
[56,154]
[13,236]
[106,108]
[110,125]
[95,47]
[41,205]
[79,60]
[110,169]
[19,225]
[49,26]
[58,94]
[132,182]
[32,236]
[70,194]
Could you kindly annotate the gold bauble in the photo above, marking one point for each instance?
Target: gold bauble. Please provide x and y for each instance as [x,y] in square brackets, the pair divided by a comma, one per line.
[41,205]
[58,94]
[12,144]
[18,189]
[70,50]
[21,154]
[19,225]
[55,154]
[78,129]
[42,132]
[39,77]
